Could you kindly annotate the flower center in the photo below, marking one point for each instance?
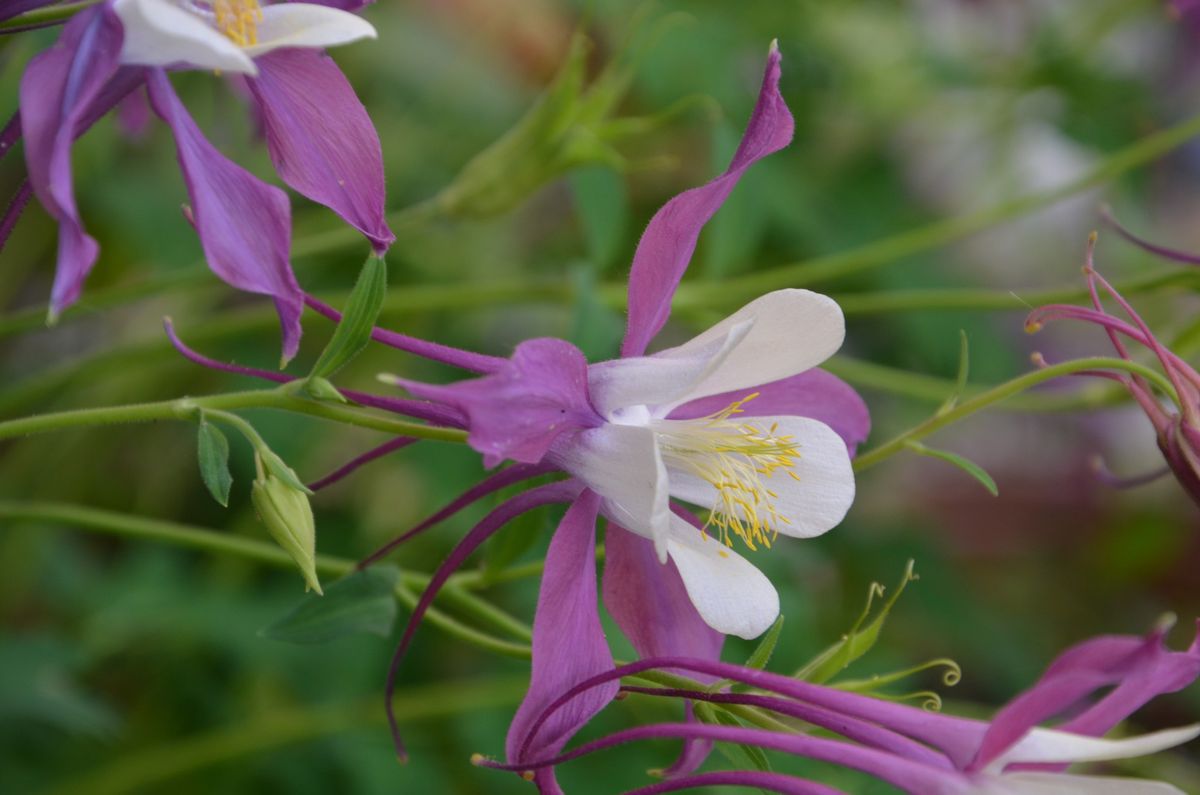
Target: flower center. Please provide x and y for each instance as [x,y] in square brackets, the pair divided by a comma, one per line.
[238,20]
[736,458]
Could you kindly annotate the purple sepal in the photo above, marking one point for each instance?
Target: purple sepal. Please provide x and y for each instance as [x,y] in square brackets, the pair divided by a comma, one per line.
[58,91]
[1140,669]
[245,225]
[814,393]
[666,246]
[519,411]
[648,601]
[321,139]
[568,643]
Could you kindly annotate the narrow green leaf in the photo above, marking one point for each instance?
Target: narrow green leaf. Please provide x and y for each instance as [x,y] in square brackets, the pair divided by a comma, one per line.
[321,389]
[362,602]
[861,637]
[276,467]
[353,333]
[960,381]
[965,464]
[742,757]
[602,204]
[212,449]
[766,647]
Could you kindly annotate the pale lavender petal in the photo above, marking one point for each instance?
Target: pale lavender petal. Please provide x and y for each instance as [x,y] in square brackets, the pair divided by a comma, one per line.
[563,491]
[321,139]
[568,642]
[518,412]
[58,89]
[245,225]
[345,5]
[815,394]
[648,601]
[1140,668]
[666,246]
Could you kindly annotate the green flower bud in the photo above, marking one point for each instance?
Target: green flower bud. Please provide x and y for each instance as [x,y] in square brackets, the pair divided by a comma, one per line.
[288,517]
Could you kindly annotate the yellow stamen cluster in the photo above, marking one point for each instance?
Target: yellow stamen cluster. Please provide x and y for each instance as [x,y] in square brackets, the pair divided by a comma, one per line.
[736,458]
[239,20]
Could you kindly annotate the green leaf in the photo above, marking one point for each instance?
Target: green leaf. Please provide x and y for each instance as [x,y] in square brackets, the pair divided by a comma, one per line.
[354,332]
[766,647]
[861,637]
[960,382]
[363,602]
[965,464]
[276,467]
[212,448]
[321,389]
[743,757]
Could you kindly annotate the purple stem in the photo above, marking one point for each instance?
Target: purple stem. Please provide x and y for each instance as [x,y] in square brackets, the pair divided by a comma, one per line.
[771,782]
[489,485]
[430,412]
[10,134]
[455,357]
[391,446]
[562,491]
[1142,243]
[13,213]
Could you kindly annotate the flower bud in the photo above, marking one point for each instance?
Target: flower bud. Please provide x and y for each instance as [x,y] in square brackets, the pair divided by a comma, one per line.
[289,519]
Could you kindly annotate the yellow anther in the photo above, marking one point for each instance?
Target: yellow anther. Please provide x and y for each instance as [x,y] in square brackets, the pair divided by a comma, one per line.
[736,458]
[238,20]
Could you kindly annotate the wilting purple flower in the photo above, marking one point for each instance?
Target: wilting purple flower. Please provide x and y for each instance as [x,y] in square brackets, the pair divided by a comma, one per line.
[738,421]
[918,751]
[1178,430]
[318,133]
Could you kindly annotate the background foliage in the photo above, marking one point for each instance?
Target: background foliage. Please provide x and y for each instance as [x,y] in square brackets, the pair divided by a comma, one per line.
[132,666]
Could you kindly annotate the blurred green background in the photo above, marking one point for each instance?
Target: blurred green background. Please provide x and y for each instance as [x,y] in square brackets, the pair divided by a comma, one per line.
[130,666]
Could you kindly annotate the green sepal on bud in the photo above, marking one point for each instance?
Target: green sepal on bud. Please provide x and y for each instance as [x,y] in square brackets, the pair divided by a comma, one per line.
[285,511]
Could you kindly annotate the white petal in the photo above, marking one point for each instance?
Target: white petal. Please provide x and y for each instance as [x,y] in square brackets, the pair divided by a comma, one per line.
[308,25]
[815,501]
[622,464]
[658,380]
[1048,745]
[1065,784]
[794,331]
[160,33]
[731,595]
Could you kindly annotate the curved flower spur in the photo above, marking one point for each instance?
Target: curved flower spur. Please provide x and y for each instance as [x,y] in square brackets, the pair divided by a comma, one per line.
[738,421]
[319,135]
[1095,684]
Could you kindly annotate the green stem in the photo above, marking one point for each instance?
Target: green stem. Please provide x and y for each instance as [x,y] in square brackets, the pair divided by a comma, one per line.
[1006,390]
[940,233]
[46,16]
[185,409]
[148,769]
[248,548]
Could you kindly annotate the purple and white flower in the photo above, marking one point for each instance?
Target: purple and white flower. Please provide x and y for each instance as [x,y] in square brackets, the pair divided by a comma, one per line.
[319,135]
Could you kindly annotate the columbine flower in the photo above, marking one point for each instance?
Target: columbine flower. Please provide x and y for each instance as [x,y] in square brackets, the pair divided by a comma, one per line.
[918,751]
[1178,430]
[737,421]
[319,135]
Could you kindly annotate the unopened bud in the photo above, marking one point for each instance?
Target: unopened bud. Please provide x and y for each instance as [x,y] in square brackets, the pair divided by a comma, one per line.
[289,519]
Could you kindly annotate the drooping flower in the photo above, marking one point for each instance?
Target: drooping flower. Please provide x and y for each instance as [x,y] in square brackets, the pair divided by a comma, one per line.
[1177,422]
[319,135]
[923,752]
[738,421]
